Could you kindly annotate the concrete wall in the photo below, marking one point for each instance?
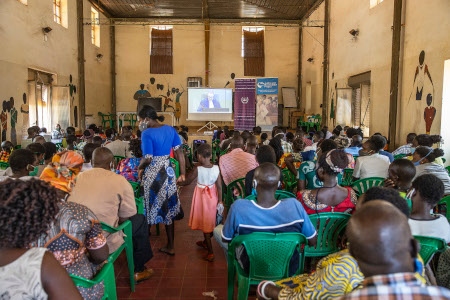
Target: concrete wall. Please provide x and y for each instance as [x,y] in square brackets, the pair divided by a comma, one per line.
[426,25]
[24,48]
[312,72]
[281,54]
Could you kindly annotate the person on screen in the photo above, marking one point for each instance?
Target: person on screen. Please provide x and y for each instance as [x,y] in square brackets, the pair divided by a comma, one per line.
[209,102]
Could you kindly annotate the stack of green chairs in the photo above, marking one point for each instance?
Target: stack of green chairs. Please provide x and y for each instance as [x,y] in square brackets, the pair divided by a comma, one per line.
[106,275]
[108,119]
[269,255]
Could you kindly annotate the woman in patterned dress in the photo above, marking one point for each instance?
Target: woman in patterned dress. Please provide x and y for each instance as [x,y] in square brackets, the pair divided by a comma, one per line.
[27,210]
[158,176]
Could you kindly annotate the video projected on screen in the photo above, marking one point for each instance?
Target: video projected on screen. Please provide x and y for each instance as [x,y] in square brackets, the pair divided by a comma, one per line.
[210,104]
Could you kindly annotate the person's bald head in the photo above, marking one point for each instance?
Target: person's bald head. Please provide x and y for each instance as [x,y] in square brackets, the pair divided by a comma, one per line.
[267,177]
[237,142]
[102,158]
[380,239]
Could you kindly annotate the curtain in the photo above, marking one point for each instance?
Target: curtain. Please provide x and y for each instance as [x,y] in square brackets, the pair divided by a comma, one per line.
[161,52]
[254,53]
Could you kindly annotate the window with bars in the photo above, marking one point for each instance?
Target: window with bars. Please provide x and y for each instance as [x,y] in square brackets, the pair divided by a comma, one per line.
[95,27]
[57,11]
[161,50]
[253,51]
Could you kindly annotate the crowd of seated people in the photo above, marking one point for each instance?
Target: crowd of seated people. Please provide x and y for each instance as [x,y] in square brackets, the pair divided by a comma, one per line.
[414,177]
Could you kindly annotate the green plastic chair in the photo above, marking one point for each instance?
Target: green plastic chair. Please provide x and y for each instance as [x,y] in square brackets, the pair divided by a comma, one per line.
[107,119]
[176,166]
[106,275]
[399,156]
[4,165]
[117,159]
[290,181]
[136,188]
[269,255]
[329,227]
[215,150]
[188,151]
[362,185]
[139,205]
[347,179]
[236,185]
[127,245]
[448,169]
[429,246]
[443,207]
[279,195]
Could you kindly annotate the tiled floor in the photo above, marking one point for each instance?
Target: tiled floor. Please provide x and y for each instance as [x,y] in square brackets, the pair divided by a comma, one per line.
[183,276]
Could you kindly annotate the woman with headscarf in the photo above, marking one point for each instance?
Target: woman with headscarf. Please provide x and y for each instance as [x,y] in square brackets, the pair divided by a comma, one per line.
[158,176]
[63,169]
[330,197]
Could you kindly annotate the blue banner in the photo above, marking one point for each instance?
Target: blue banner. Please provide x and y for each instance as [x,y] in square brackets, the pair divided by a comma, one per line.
[267,86]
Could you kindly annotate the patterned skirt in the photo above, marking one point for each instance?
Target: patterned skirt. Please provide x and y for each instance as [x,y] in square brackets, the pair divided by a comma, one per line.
[160,191]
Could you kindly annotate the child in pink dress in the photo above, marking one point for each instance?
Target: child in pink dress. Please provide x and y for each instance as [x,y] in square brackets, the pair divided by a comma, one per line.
[207,195]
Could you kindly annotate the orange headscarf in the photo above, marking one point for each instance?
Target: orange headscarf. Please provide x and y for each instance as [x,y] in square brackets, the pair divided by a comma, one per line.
[63,169]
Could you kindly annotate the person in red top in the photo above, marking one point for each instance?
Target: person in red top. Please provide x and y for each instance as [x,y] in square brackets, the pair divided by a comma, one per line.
[237,163]
[330,197]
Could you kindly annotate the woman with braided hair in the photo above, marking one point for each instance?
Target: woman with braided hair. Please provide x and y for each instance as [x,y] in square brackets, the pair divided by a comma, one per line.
[29,273]
[330,197]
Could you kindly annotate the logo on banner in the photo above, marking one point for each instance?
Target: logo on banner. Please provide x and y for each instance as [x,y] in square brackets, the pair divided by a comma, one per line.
[244,100]
[267,84]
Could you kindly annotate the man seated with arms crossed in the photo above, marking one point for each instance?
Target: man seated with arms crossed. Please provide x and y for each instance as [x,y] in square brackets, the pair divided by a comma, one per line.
[266,214]
[111,197]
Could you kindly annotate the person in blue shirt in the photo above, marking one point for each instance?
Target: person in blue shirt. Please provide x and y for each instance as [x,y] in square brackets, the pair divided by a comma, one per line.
[266,214]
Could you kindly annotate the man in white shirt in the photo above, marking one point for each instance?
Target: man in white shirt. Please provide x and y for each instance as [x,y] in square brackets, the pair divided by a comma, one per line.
[120,147]
[370,163]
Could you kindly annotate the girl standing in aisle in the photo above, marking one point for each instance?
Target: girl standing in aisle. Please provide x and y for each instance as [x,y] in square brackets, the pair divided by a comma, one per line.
[207,195]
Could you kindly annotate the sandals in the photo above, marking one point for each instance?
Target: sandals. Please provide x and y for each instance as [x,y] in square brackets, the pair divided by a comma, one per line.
[202,244]
[209,257]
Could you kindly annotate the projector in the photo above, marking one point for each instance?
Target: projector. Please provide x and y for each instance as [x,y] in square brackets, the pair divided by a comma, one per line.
[208,132]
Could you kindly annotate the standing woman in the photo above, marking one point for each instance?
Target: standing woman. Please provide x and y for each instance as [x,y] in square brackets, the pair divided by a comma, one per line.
[158,177]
